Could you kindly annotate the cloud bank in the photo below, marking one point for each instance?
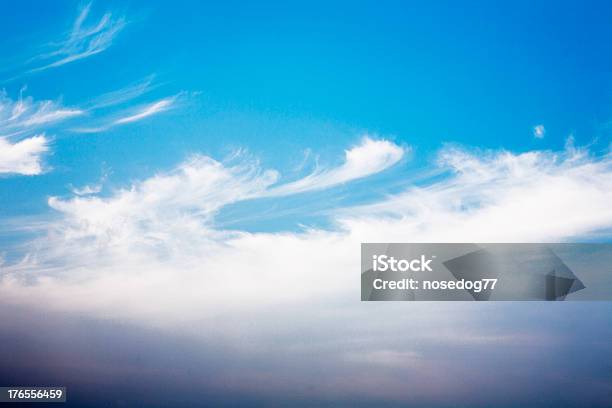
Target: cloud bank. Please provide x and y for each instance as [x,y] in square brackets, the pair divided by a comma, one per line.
[152,251]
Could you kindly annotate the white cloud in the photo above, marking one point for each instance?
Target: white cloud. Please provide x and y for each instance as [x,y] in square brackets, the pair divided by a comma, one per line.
[83,40]
[133,115]
[539,131]
[185,199]
[369,157]
[23,157]
[146,111]
[25,114]
[152,252]
[534,196]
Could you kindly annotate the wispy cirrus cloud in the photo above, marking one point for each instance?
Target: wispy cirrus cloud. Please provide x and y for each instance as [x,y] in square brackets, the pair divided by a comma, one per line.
[369,157]
[130,115]
[122,95]
[200,186]
[25,117]
[84,40]
[536,196]
[146,111]
[25,114]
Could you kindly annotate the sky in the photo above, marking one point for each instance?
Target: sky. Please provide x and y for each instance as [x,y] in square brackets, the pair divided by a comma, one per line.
[199,176]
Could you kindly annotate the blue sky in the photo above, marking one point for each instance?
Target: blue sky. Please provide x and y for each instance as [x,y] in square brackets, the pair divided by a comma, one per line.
[204,172]
[279,79]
